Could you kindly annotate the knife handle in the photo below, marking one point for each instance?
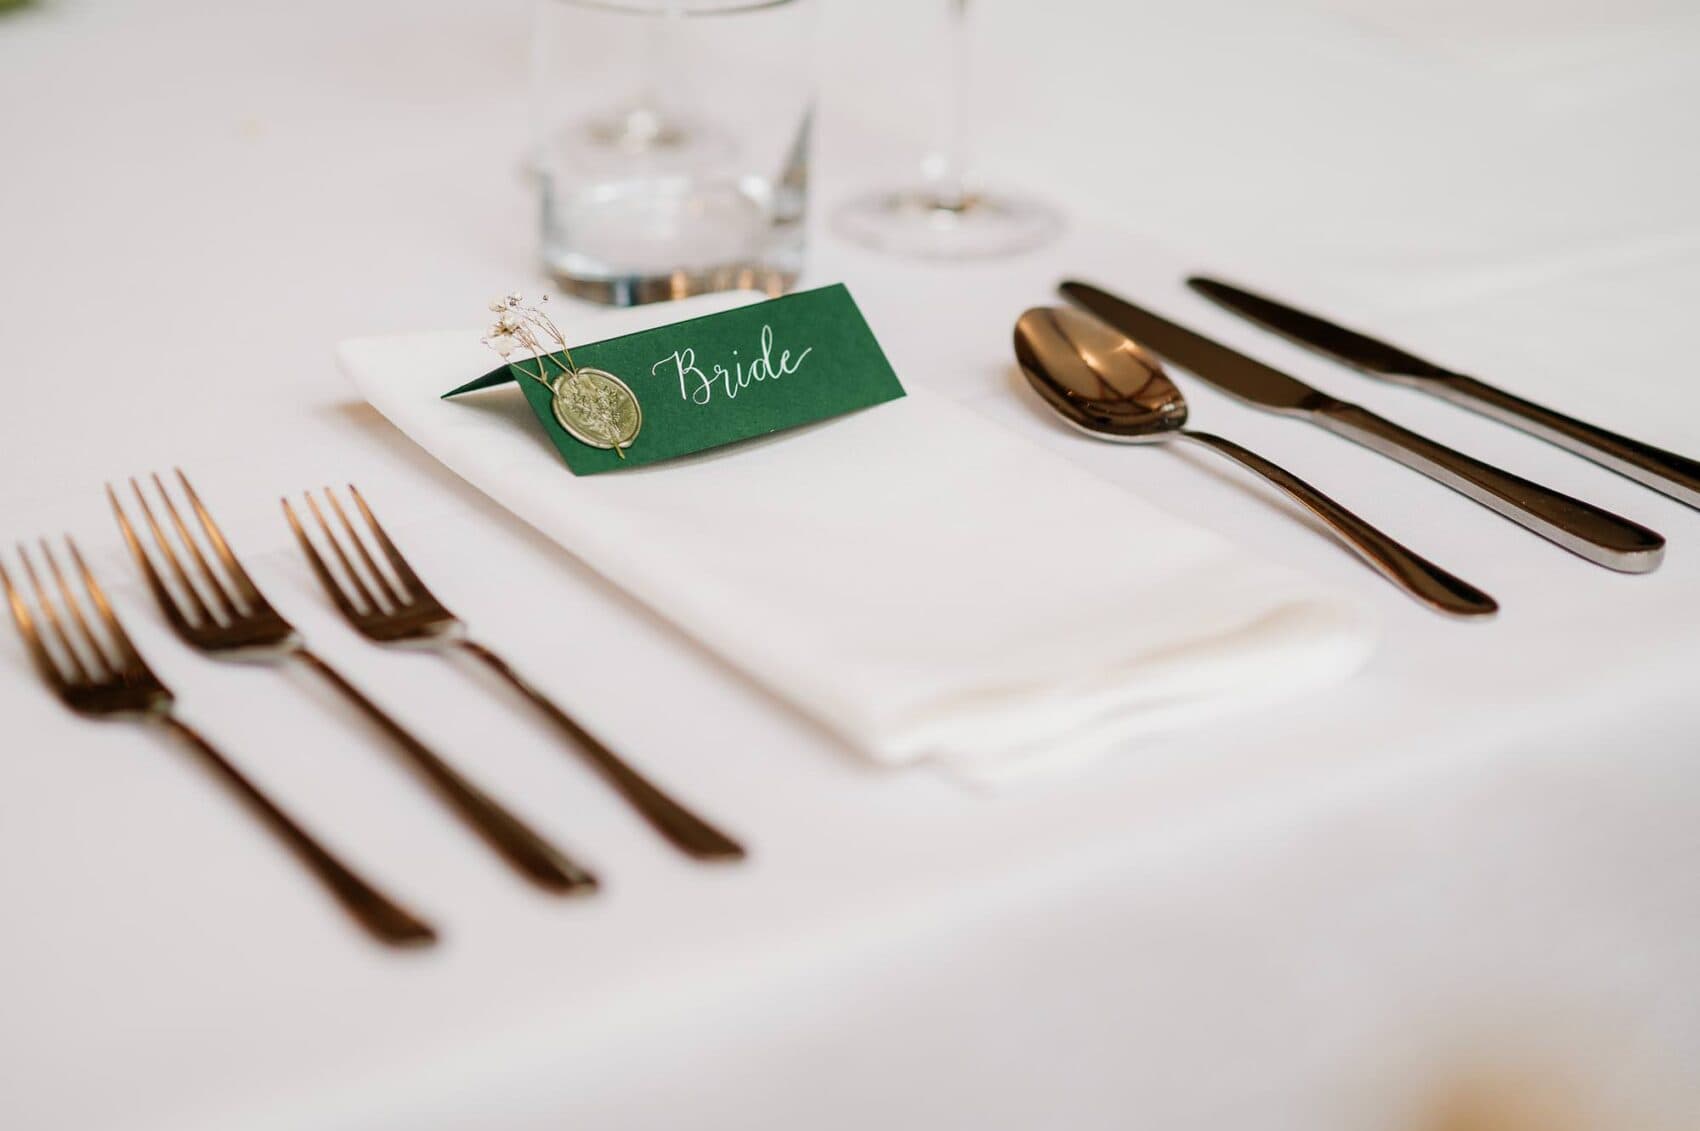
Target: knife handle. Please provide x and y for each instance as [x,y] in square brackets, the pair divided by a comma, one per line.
[1402,566]
[1582,528]
[1674,475]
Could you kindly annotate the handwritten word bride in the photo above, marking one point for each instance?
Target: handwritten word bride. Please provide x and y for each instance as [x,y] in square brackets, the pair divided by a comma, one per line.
[699,386]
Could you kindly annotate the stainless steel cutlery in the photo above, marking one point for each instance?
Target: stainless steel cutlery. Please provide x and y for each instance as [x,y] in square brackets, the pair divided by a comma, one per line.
[222,613]
[395,607]
[1104,384]
[213,605]
[99,673]
[1674,475]
[1582,528]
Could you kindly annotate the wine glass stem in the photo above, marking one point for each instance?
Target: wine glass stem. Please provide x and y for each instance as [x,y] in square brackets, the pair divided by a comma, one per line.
[950,159]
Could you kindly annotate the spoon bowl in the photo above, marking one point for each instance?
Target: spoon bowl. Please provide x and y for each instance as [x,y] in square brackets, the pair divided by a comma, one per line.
[1098,379]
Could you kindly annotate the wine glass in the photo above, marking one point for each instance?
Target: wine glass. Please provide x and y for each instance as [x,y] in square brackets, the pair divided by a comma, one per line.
[946,216]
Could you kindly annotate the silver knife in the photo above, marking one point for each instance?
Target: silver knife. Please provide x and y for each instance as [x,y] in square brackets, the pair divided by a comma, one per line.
[1582,528]
[1674,475]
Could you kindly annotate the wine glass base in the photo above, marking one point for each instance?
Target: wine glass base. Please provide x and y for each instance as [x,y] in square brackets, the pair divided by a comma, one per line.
[921,224]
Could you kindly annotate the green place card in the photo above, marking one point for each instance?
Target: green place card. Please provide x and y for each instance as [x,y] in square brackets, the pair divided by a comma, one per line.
[706,381]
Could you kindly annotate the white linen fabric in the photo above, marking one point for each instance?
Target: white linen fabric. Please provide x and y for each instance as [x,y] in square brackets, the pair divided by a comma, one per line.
[920,580]
[1453,892]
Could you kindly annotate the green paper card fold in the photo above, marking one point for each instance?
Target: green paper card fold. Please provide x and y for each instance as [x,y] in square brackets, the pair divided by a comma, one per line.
[721,378]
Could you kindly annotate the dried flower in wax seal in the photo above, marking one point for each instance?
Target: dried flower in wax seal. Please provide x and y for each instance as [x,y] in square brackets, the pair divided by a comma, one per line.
[594,406]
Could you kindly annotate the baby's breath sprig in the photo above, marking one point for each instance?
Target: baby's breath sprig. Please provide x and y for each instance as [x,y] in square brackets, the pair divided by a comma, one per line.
[590,399]
[522,327]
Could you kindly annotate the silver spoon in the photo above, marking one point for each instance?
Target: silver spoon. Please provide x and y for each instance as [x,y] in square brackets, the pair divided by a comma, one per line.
[1105,384]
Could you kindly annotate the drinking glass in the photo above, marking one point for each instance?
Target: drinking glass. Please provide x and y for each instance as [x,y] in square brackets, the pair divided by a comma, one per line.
[946,216]
[671,144]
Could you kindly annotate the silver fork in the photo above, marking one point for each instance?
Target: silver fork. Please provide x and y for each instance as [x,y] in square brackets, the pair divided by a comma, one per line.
[402,611]
[233,621]
[108,679]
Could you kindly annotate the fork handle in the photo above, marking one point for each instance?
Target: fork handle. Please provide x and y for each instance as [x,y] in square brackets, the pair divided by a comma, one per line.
[375,911]
[684,829]
[517,842]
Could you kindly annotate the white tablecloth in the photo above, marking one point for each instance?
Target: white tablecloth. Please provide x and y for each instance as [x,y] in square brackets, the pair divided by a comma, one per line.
[1464,887]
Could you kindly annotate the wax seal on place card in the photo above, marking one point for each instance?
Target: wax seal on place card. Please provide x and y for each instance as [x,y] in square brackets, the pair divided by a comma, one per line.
[691,385]
[594,406]
[597,408]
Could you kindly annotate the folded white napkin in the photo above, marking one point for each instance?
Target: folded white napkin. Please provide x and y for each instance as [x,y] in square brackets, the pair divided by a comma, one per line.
[920,580]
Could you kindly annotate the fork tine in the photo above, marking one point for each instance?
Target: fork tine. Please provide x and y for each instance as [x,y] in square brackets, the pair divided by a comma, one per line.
[342,556]
[197,612]
[332,586]
[244,584]
[44,661]
[161,592]
[84,673]
[402,569]
[96,643]
[222,597]
[115,628]
[390,590]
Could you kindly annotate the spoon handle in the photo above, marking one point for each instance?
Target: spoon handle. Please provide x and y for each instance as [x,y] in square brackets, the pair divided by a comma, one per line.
[1410,571]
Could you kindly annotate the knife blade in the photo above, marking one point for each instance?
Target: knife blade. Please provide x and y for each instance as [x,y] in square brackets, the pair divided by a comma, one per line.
[1238,374]
[1663,471]
[1584,529]
[1360,351]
